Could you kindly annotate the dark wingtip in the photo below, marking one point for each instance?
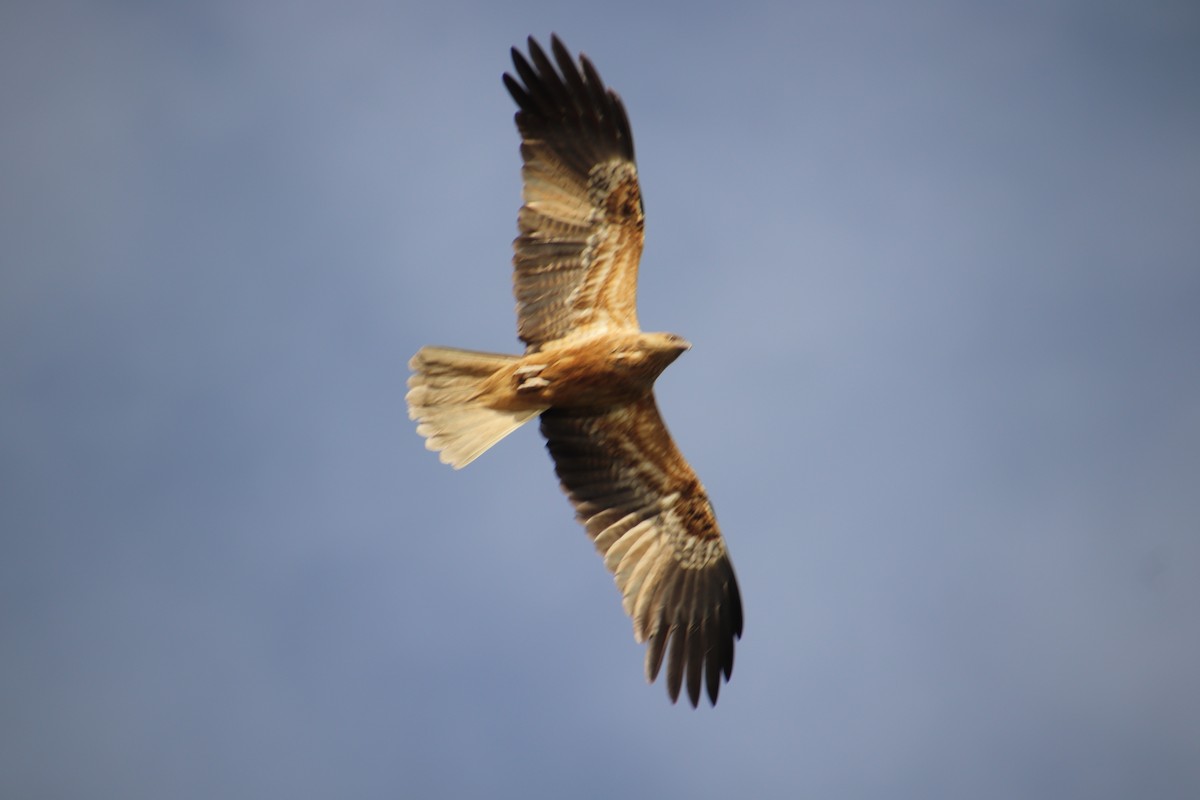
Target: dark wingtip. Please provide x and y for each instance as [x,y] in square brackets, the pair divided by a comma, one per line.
[515,90]
[567,92]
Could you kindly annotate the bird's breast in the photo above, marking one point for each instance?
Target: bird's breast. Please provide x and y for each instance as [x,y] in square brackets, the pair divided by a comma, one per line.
[593,374]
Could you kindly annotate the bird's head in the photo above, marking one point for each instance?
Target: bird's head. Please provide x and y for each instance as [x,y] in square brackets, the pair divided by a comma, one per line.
[656,351]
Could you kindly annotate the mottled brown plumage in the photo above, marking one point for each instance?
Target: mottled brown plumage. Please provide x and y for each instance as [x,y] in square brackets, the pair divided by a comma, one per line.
[588,372]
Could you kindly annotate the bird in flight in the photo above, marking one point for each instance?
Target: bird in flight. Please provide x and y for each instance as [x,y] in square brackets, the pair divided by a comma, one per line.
[588,374]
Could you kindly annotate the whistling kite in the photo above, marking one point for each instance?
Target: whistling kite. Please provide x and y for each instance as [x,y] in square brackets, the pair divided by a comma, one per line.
[588,372]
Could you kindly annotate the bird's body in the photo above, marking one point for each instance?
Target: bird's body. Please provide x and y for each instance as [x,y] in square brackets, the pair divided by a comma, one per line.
[588,373]
[598,372]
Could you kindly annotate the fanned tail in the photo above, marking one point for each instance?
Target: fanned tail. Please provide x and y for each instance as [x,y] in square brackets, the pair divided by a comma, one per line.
[447,399]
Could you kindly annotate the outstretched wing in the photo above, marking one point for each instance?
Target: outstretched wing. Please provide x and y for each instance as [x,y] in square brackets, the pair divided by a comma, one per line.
[576,257]
[649,517]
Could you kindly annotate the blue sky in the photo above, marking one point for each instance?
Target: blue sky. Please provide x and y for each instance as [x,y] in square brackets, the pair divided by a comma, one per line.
[940,265]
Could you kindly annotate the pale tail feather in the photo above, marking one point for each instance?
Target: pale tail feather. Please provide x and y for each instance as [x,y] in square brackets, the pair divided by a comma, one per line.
[444,398]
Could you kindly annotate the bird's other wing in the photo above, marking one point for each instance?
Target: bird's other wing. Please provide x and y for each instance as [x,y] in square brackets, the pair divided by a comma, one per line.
[650,518]
[580,228]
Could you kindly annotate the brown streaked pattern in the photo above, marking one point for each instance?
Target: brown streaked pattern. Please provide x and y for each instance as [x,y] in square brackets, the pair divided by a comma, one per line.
[576,257]
[650,518]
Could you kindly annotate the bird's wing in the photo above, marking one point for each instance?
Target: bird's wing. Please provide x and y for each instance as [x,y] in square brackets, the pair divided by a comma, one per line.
[650,518]
[576,258]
